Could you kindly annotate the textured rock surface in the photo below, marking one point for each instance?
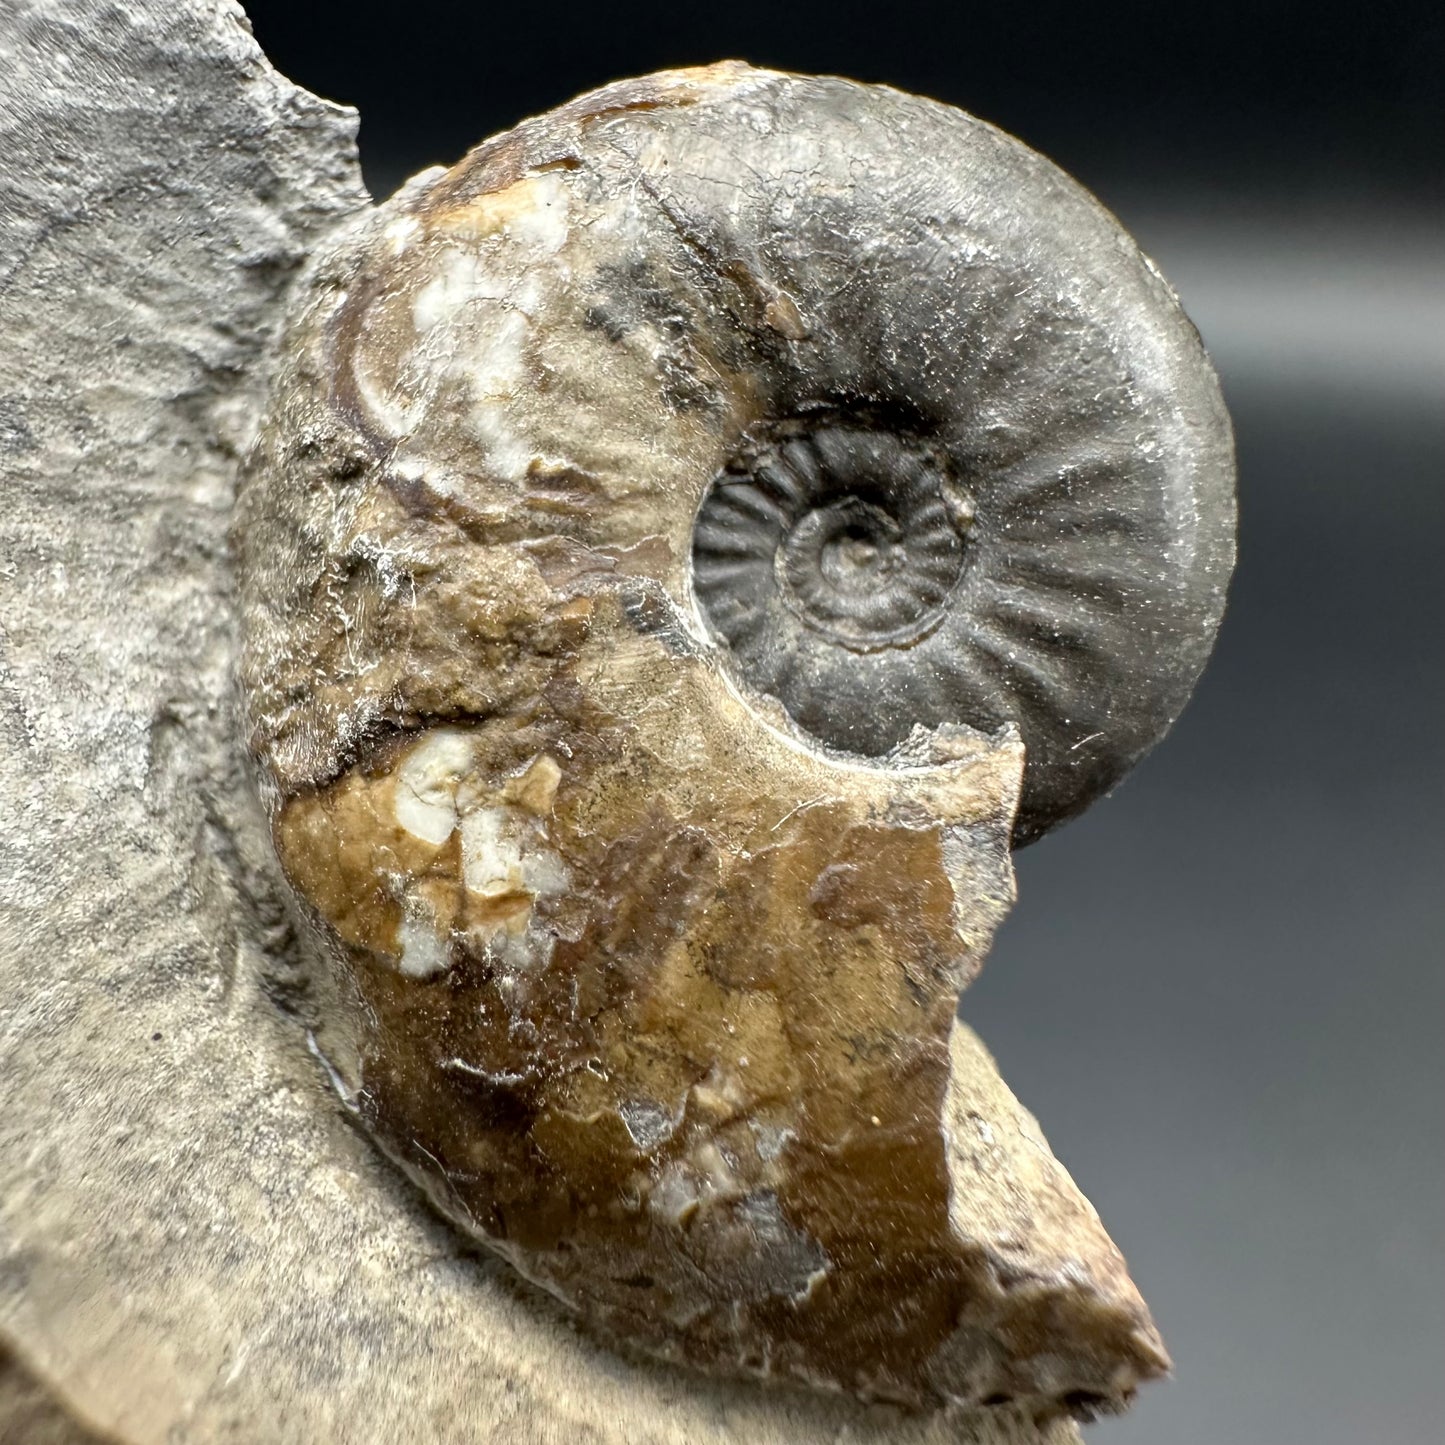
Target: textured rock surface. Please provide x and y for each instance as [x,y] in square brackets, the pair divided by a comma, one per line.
[31,1415]
[648,985]
[194,1243]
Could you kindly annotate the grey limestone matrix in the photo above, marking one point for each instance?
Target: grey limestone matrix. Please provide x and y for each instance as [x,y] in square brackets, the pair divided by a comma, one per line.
[529,690]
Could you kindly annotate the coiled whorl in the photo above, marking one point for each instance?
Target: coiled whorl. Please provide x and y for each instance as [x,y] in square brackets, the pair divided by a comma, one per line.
[678,532]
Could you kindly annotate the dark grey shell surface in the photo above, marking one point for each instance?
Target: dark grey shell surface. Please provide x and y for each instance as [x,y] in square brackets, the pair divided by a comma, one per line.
[919,437]
[994,408]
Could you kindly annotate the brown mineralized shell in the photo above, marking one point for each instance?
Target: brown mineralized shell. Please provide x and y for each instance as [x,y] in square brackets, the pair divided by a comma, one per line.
[673,528]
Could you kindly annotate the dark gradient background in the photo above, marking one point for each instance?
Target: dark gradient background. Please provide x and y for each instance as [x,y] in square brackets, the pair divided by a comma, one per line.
[1221,990]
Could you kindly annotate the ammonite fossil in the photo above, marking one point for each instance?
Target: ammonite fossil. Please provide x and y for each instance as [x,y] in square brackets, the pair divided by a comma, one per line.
[691,538]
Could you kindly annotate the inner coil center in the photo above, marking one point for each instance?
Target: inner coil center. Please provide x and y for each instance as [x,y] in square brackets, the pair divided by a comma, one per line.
[855,532]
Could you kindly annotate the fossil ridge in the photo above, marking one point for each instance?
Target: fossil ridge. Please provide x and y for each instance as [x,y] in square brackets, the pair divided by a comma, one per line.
[647,971]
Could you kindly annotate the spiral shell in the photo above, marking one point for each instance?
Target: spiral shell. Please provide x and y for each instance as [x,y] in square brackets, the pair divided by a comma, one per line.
[688,538]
